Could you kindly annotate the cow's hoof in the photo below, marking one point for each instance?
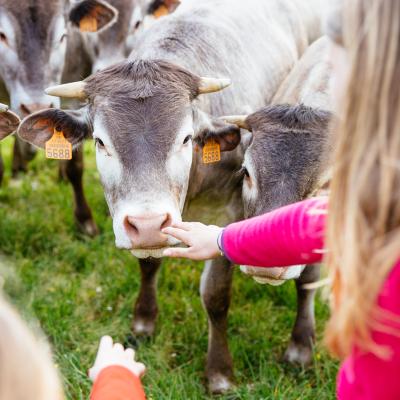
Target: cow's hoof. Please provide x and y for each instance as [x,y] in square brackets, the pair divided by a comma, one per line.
[88,228]
[298,354]
[142,327]
[219,384]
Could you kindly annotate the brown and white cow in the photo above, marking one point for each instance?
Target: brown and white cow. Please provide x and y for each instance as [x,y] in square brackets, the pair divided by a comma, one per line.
[145,113]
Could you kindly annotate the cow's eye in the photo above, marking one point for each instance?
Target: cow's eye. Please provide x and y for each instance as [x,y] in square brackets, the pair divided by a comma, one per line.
[3,38]
[63,37]
[99,143]
[187,139]
[246,172]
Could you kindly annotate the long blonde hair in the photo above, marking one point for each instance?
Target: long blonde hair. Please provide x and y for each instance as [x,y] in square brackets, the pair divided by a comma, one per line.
[26,369]
[363,235]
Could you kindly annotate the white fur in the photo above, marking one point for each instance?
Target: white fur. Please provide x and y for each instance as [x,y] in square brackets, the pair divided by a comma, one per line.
[179,160]
[6,26]
[108,163]
[250,192]
[58,51]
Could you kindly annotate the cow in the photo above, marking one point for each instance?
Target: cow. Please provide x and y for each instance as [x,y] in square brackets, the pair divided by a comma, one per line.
[100,49]
[287,159]
[144,114]
[33,43]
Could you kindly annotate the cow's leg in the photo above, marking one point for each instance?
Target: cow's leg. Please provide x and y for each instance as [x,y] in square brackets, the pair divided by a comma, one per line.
[215,292]
[300,348]
[83,214]
[146,308]
[23,152]
[19,161]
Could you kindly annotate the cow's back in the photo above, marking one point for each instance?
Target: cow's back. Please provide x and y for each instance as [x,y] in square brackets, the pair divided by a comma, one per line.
[309,82]
[255,43]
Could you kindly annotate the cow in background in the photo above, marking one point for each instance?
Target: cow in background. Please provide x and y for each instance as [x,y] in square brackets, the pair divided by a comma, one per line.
[287,159]
[33,44]
[144,115]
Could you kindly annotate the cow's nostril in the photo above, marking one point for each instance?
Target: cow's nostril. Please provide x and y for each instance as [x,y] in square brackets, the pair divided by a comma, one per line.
[130,226]
[167,222]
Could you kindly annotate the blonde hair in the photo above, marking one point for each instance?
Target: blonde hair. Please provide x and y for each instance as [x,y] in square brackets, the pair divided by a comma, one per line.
[26,369]
[363,234]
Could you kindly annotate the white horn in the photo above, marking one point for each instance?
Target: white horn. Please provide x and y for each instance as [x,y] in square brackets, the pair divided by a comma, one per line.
[3,108]
[73,90]
[239,120]
[210,85]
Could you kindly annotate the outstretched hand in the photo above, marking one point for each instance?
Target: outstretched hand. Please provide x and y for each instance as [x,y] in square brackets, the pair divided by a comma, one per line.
[202,240]
[110,354]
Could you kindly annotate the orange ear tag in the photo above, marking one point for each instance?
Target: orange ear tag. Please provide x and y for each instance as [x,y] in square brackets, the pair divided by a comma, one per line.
[211,152]
[161,12]
[88,24]
[58,148]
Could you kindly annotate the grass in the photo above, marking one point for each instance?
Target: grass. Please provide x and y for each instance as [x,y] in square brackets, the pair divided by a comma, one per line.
[79,289]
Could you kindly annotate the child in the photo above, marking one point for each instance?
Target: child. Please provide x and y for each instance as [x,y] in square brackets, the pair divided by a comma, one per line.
[27,371]
[361,233]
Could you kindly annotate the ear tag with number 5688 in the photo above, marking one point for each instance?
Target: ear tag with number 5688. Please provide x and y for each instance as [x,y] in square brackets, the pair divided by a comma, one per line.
[211,152]
[58,148]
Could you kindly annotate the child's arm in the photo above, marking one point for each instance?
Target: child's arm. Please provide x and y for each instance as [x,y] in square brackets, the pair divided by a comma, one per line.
[287,236]
[115,373]
[117,383]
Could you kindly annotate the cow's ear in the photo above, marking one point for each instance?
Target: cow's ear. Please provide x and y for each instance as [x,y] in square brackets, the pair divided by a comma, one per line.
[93,15]
[227,135]
[8,123]
[39,127]
[160,8]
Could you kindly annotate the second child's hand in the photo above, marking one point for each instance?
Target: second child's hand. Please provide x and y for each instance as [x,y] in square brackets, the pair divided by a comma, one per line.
[202,241]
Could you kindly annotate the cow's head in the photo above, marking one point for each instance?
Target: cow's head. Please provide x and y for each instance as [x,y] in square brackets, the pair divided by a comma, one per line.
[105,44]
[33,40]
[143,121]
[110,46]
[283,164]
[286,156]
[8,121]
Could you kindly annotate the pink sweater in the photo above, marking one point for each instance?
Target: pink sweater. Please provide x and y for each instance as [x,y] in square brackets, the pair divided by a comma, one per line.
[295,235]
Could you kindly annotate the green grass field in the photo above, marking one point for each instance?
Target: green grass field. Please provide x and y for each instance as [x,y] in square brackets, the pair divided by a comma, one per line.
[80,289]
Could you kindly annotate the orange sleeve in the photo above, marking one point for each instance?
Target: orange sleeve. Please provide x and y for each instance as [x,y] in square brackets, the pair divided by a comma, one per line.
[117,383]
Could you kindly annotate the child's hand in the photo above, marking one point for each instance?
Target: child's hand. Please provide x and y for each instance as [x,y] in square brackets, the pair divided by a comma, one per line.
[202,240]
[110,353]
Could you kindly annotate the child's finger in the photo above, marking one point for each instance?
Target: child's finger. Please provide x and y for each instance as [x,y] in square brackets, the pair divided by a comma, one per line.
[130,354]
[141,369]
[106,343]
[177,233]
[177,252]
[186,226]
[118,348]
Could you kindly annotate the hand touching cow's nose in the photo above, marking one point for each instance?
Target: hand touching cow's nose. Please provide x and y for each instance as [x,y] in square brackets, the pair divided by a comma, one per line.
[145,231]
[202,241]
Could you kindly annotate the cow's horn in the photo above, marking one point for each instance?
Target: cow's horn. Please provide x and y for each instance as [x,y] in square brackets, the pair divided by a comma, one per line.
[3,108]
[73,90]
[239,120]
[210,85]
